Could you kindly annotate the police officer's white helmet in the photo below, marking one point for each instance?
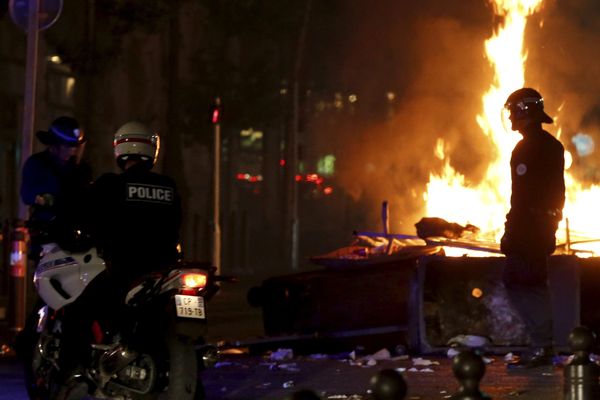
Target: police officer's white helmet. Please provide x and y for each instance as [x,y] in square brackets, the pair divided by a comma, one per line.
[135,139]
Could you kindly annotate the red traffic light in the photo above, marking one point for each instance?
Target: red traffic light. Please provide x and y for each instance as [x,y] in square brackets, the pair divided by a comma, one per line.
[216,111]
[216,115]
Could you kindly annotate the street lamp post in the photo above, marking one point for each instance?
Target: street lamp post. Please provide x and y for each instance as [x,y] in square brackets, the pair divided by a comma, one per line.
[32,16]
[19,237]
[292,218]
[30,89]
[216,113]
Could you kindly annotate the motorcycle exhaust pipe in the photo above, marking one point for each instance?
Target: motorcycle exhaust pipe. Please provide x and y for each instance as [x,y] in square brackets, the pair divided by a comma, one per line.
[116,359]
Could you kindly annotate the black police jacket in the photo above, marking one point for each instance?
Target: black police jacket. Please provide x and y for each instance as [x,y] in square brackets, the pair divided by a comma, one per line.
[538,194]
[136,220]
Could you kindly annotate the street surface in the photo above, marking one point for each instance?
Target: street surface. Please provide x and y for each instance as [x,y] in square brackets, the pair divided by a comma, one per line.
[245,377]
[273,375]
[11,381]
[256,378]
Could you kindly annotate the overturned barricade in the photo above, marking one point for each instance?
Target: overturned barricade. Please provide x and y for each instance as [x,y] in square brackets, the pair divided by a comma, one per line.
[405,289]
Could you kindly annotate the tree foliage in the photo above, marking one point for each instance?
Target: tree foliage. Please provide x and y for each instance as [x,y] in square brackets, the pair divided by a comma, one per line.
[89,34]
[246,56]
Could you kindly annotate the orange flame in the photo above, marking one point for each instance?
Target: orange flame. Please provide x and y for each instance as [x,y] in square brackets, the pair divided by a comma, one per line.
[486,204]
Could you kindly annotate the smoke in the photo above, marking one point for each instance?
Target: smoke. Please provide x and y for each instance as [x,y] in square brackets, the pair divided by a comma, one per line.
[433,61]
[562,42]
[432,57]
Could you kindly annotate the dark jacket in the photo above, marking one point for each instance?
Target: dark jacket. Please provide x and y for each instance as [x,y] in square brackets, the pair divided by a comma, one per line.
[538,194]
[66,184]
[136,220]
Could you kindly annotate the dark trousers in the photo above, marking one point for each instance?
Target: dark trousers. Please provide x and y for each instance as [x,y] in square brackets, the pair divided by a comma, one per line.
[101,301]
[526,281]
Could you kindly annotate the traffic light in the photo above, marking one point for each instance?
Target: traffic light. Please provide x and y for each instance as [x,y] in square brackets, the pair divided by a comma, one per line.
[216,111]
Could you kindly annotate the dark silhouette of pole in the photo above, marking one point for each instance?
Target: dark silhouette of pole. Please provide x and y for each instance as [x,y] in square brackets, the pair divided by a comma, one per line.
[216,114]
[18,263]
[388,384]
[18,275]
[30,90]
[292,222]
[581,375]
[468,368]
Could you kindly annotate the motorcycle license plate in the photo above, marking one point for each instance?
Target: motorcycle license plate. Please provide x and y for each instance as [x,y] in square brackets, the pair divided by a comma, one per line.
[189,306]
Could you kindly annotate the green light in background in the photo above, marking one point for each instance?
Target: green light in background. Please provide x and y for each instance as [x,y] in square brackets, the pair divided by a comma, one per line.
[326,165]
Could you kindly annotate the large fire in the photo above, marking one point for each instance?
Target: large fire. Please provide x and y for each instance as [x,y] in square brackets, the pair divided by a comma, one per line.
[485,204]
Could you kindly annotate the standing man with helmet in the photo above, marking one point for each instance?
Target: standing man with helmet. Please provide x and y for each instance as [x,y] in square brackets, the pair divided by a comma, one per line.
[538,196]
[54,180]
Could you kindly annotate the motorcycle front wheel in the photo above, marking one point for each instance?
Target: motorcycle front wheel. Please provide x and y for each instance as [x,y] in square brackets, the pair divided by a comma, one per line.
[40,373]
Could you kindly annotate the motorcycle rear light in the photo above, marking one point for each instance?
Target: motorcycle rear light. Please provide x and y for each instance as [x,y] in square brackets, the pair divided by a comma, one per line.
[197,281]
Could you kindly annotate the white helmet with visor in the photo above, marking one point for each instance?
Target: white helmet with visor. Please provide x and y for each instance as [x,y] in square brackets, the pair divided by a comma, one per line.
[136,140]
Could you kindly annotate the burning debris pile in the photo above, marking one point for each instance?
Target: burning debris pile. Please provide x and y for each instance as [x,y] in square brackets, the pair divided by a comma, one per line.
[434,236]
[376,248]
[438,227]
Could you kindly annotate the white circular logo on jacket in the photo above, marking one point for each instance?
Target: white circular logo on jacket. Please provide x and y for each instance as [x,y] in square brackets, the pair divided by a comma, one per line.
[521,169]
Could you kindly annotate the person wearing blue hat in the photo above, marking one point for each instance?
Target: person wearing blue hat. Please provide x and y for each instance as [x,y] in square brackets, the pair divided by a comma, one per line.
[54,180]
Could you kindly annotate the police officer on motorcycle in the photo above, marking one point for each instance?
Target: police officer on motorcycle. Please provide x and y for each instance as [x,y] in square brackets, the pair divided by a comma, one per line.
[137,213]
[134,221]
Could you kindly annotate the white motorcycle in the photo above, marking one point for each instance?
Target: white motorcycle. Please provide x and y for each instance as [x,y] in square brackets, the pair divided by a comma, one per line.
[166,350]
